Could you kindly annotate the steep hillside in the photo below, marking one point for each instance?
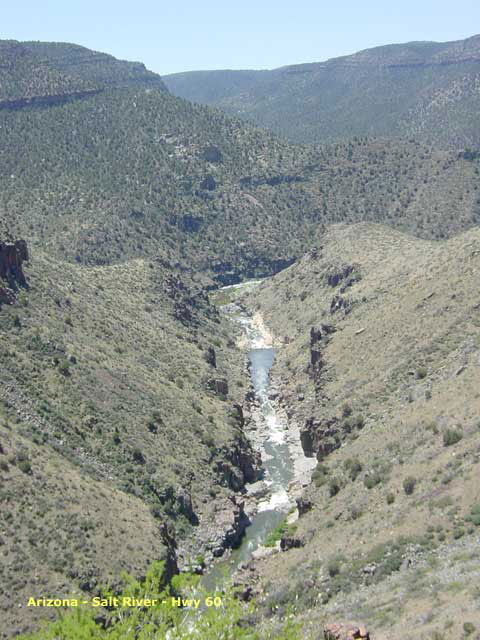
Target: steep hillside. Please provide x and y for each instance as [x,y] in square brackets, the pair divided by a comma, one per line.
[427,89]
[120,389]
[378,362]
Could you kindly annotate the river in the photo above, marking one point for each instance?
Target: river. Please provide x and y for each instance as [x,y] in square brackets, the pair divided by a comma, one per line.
[277,464]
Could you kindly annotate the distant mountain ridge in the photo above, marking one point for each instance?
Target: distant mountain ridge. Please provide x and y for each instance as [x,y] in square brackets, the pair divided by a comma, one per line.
[36,72]
[419,88]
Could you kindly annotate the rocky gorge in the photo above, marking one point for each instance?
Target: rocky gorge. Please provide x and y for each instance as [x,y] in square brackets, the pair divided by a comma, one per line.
[282,470]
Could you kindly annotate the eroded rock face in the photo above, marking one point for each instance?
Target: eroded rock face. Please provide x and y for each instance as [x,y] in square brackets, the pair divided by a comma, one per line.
[320,437]
[241,521]
[12,257]
[345,631]
[238,464]
[318,340]
[227,527]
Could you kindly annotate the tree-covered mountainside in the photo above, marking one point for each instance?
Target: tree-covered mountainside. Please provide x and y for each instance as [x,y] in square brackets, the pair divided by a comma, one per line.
[427,89]
[132,171]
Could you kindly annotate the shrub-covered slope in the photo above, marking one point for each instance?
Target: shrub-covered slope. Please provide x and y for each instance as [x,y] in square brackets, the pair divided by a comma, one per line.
[426,89]
[111,426]
[378,362]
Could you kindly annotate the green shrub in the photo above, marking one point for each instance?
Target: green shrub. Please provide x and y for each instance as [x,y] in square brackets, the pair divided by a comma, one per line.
[372,480]
[168,620]
[409,485]
[355,513]
[208,440]
[421,373]
[359,422]
[319,476]
[138,456]
[432,426]
[390,498]
[334,567]
[451,436]
[64,367]
[25,466]
[333,487]
[353,467]
[468,628]
[275,535]
[474,516]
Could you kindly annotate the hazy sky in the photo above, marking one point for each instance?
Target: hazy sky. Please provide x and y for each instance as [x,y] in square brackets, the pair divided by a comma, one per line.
[181,35]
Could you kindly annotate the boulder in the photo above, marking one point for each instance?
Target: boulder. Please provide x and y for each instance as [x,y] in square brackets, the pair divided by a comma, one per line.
[218,385]
[304,505]
[290,542]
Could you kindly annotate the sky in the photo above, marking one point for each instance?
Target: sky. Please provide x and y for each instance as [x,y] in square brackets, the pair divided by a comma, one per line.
[186,35]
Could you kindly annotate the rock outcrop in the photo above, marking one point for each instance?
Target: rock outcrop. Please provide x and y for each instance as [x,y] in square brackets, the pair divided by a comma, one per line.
[238,464]
[345,631]
[225,530]
[318,340]
[304,505]
[186,303]
[218,386]
[345,273]
[12,257]
[210,357]
[339,303]
[290,542]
